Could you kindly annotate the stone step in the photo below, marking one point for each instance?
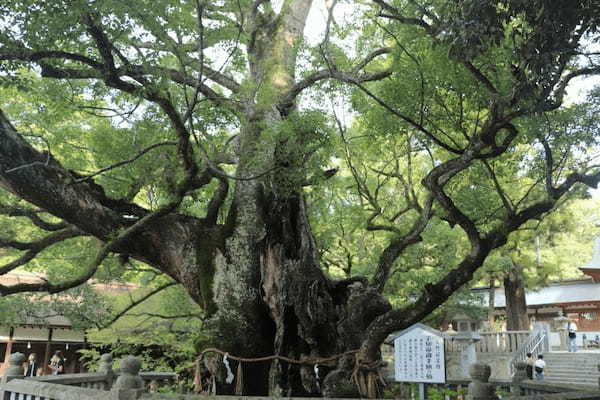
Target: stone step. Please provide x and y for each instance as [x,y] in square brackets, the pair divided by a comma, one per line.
[570,364]
[571,375]
[591,384]
[573,368]
[588,382]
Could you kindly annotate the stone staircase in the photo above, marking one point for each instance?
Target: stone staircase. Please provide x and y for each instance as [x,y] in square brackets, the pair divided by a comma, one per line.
[572,368]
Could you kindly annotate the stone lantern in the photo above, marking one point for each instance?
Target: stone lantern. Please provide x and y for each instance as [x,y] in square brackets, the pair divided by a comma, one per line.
[593,267]
[466,343]
[560,325]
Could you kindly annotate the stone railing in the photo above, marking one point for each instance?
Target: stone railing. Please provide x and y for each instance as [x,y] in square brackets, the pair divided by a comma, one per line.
[126,384]
[481,388]
[493,342]
[501,342]
[536,344]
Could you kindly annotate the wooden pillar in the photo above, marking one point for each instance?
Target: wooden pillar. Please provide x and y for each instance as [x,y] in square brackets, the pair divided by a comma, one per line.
[85,346]
[47,352]
[8,351]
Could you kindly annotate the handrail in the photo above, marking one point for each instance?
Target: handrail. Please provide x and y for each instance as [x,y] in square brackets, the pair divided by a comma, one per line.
[536,338]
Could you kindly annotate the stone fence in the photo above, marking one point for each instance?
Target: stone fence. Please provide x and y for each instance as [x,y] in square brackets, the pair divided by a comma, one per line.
[129,384]
[125,384]
[492,342]
[480,388]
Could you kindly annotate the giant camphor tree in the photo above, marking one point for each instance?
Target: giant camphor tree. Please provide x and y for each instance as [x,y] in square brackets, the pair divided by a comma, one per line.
[206,126]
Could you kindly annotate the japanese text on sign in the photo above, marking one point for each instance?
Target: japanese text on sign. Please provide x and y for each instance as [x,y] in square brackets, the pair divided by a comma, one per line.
[419,355]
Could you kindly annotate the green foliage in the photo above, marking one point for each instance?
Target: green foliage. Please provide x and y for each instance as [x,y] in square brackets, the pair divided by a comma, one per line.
[161,331]
[466,62]
[83,307]
[441,394]
[304,145]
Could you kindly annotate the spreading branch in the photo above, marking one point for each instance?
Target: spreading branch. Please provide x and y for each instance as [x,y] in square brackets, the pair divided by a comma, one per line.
[135,303]
[125,162]
[353,76]
[34,248]
[393,250]
[33,216]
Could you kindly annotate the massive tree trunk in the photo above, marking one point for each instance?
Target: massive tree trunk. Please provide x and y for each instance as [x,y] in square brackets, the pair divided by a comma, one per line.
[516,305]
[270,291]
[269,286]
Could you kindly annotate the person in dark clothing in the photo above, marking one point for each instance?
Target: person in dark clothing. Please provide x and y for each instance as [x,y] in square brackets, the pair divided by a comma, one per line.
[32,365]
[57,363]
[529,369]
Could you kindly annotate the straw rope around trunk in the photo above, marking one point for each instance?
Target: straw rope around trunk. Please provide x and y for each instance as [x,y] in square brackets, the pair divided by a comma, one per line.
[366,377]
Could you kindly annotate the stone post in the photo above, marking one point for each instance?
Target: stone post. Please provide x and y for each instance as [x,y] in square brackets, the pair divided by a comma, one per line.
[480,388]
[15,367]
[519,376]
[468,355]
[105,367]
[560,325]
[129,385]
[14,370]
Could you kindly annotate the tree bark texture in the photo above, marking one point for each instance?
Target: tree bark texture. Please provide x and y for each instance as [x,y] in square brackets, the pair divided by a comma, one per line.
[491,302]
[516,305]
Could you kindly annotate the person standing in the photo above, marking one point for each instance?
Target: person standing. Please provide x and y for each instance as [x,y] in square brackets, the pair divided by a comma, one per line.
[57,363]
[539,366]
[529,368]
[32,365]
[572,333]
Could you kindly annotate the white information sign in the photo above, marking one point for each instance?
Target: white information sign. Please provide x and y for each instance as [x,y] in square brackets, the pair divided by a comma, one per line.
[419,355]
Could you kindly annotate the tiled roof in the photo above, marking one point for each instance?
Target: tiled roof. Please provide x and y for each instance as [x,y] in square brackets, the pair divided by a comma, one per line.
[581,291]
[16,277]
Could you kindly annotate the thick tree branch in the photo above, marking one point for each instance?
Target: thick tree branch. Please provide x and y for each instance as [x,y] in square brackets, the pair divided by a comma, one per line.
[108,70]
[561,87]
[398,245]
[508,205]
[331,73]
[46,184]
[419,127]
[122,238]
[433,297]
[34,248]
[394,13]
[438,293]
[125,162]
[218,199]
[49,186]
[33,216]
